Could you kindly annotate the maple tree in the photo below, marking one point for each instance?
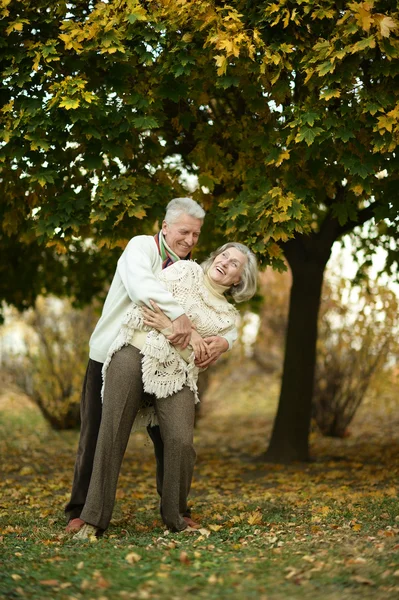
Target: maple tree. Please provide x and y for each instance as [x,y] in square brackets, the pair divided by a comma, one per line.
[286,111]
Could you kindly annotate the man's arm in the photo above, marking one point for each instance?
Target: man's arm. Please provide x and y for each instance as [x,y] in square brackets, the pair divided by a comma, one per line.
[138,267]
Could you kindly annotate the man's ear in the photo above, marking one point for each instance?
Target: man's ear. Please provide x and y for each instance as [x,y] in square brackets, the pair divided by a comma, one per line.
[164,227]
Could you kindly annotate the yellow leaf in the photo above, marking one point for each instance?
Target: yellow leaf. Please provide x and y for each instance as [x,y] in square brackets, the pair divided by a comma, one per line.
[255,518]
[8,107]
[65,38]
[386,24]
[16,26]
[283,156]
[286,18]
[274,250]
[364,18]
[309,73]
[386,122]
[357,189]
[221,63]
[26,471]
[70,103]
[215,527]
[328,94]
[132,558]
[36,61]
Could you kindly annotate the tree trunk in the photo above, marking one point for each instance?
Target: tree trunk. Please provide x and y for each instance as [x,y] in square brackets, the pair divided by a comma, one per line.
[307,259]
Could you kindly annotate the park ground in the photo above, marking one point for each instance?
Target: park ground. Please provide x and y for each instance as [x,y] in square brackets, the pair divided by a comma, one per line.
[328,529]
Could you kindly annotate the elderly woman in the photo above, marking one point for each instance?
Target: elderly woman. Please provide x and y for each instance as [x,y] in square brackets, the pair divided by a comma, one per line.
[147,380]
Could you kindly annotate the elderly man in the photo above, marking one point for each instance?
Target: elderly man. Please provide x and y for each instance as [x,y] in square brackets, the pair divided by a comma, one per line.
[135,280]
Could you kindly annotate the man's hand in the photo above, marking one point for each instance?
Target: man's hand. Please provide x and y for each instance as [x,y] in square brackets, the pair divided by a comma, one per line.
[181,332]
[216,346]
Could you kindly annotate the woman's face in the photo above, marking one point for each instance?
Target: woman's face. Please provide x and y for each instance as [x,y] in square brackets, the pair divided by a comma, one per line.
[227,267]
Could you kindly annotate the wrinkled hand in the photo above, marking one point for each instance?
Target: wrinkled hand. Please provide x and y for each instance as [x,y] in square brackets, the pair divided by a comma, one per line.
[199,346]
[155,318]
[216,346]
[181,332]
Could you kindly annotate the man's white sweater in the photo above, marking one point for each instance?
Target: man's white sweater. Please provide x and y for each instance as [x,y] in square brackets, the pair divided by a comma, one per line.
[134,280]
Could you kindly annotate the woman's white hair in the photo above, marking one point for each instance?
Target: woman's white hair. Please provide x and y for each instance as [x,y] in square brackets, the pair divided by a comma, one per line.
[246,288]
[183,206]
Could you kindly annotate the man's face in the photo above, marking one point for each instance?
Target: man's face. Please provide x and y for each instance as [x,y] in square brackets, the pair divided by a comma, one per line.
[182,235]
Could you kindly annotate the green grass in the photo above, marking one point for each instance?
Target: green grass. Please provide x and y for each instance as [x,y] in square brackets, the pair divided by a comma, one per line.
[324,530]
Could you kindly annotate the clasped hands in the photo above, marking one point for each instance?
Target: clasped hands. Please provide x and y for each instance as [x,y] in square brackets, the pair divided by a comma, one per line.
[181,333]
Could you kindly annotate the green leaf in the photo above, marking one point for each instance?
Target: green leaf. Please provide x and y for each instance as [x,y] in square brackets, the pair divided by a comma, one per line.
[345,134]
[206,181]
[326,67]
[93,162]
[309,117]
[368,42]
[145,122]
[340,210]
[308,134]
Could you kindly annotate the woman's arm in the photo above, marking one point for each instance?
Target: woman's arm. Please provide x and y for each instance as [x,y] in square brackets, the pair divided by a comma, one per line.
[156,318]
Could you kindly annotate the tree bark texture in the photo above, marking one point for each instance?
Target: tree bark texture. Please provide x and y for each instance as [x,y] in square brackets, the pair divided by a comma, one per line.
[307,259]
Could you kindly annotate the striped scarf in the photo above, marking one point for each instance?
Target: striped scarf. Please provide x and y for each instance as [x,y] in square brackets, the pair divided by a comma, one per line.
[167,255]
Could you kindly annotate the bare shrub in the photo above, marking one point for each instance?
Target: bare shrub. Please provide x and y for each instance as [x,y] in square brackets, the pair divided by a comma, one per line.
[50,369]
[356,335]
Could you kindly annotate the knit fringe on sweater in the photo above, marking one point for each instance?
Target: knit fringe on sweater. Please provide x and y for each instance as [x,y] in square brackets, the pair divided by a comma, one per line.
[164,371]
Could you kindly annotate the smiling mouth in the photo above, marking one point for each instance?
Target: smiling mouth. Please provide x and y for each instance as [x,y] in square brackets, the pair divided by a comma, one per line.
[220,270]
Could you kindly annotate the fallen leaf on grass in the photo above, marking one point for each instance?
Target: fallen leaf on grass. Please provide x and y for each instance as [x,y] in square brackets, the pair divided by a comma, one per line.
[16,577]
[27,471]
[184,559]
[203,531]
[255,518]
[360,579]
[50,582]
[388,533]
[102,583]
[356,561]
[215,527]
[132,558]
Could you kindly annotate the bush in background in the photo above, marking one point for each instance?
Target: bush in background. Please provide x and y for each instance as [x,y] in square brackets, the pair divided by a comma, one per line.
[357,330]
[50,363]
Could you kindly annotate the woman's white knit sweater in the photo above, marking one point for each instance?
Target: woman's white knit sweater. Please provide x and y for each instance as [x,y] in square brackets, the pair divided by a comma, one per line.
[136,280]
[164,370]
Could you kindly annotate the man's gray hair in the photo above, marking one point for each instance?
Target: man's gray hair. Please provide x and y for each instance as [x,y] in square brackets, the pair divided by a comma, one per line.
[183,206]
[246,288]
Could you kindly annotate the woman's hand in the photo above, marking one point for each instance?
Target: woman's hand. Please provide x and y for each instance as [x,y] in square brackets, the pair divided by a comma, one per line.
[199,346]
[216,346]
[155,318]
